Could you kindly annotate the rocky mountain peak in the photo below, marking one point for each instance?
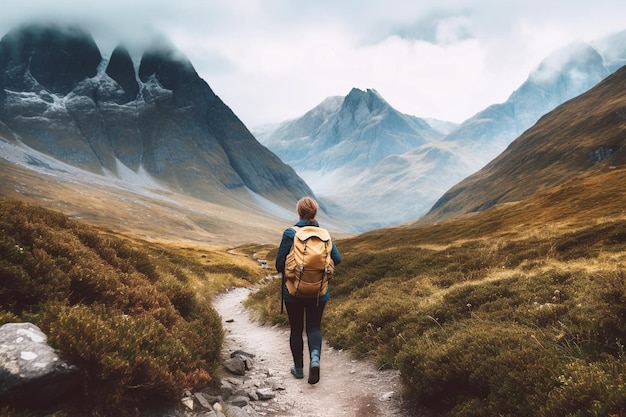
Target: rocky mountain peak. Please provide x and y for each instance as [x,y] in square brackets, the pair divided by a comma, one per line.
[160,120]
[170,67]
[360,104]
[353,134]
[122,70]
[322,112]
[54,57]
[569,64]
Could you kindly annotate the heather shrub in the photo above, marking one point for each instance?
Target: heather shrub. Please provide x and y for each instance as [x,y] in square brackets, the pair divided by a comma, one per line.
[612,302]
[124,311]
[480,369]
[8,317]
[589,389]
[371,328]
[122,354]
[10,412]
[180,294]
[27,275]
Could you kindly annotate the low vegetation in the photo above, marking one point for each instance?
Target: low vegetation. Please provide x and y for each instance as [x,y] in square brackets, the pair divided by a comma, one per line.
[487,318]
[515,311]
[135,317]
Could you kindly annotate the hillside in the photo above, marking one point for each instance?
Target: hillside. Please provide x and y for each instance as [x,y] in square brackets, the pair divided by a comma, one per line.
[581,138]
[347,148]
[123,116]
[135,317]
[516,309]
[146,213]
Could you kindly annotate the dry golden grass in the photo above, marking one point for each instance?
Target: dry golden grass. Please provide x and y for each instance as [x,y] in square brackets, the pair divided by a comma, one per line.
[485,313]
[129,313]
[582,138]
[164,217]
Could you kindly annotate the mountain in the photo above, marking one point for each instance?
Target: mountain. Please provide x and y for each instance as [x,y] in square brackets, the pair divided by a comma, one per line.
[401,186]
[580,139]
[352,132]
[344,142]
[564,74]
[496,285]
[60,97]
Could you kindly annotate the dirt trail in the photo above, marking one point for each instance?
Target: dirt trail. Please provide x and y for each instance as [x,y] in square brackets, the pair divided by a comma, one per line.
[347,387]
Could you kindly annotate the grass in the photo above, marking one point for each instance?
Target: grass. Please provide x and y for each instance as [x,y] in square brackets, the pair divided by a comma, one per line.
[155,216]
[516,310]
[502,313]
[136,317]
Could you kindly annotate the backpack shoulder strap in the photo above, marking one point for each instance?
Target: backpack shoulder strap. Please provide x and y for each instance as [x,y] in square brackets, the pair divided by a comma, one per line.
[296,229]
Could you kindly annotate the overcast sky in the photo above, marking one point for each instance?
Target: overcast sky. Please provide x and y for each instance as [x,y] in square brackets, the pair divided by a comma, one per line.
[272,60]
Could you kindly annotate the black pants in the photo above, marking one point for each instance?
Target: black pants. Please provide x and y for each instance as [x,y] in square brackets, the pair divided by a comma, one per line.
[298,311]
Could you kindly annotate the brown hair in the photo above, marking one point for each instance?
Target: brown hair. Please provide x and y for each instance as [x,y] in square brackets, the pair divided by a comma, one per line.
[307,208]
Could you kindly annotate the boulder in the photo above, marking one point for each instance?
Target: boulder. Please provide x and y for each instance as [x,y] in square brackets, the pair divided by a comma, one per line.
[236,366]
[31,372]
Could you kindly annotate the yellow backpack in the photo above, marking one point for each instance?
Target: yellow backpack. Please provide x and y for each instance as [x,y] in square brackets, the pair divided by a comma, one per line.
[309,266]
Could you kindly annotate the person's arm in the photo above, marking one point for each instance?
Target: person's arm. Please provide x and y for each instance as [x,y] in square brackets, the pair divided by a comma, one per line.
[283,249]
[335,255]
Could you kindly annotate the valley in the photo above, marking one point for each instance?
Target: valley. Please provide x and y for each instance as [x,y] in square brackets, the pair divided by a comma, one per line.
[367,160]
[505,299]
[151,215]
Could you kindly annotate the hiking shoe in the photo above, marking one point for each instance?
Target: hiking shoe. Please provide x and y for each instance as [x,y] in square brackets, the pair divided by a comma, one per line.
[298,373]
[314,370]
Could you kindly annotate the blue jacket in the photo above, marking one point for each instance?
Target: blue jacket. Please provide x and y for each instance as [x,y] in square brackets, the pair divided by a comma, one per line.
[283,250]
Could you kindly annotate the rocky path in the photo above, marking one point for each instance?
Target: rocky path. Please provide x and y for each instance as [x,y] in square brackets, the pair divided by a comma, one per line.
[347,387]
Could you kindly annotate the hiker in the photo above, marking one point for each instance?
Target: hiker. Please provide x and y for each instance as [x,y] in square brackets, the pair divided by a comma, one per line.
[301,308]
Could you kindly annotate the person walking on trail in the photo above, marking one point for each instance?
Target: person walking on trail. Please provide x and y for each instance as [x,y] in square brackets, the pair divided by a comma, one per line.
[305,287]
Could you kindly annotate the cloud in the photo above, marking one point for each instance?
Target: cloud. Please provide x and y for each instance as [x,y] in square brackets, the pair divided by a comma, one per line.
[271,60]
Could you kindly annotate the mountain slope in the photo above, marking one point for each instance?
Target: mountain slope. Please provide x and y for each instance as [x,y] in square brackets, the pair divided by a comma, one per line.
[351,133]
[61,98]
[137,205]
[582,136]
[403,186]
[563,75]
[337,148]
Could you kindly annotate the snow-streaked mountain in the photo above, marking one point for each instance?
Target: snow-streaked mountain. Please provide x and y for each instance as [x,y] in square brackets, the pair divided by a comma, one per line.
[563,75]
[342,144]
[581,141]
[402,185]
[152,117]
[350,133]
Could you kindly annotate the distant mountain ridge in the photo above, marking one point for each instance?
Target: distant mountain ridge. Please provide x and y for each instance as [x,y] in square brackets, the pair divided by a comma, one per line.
[336,146]
[579,139]
[401,186]
[59,96]
[355,131]
[561,76]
